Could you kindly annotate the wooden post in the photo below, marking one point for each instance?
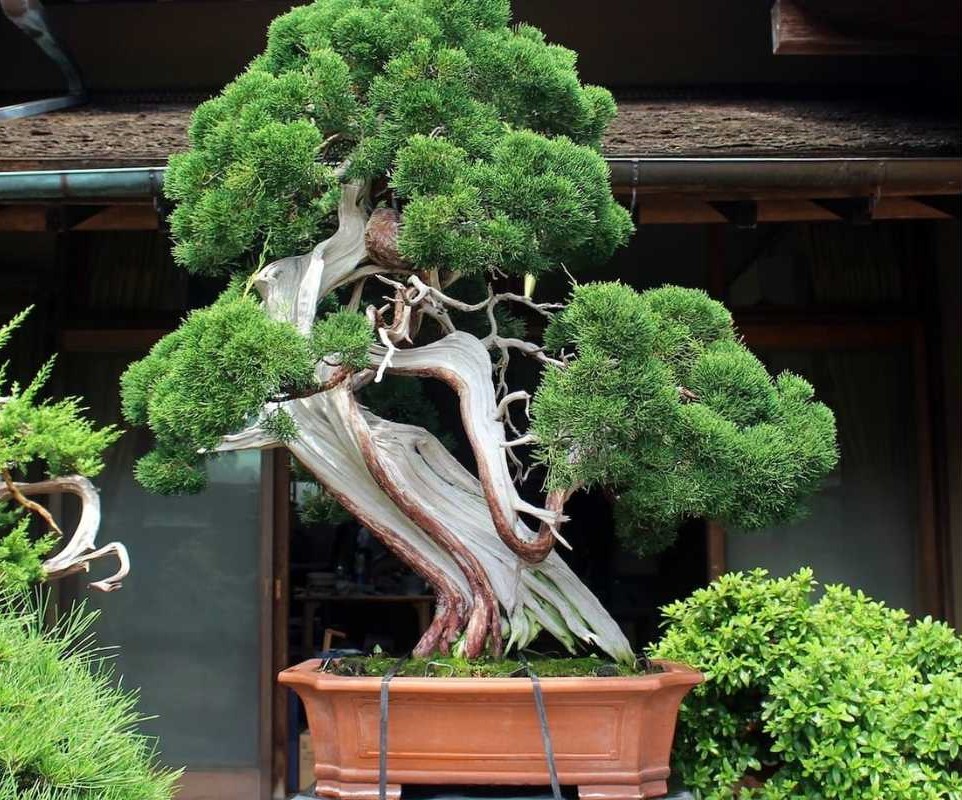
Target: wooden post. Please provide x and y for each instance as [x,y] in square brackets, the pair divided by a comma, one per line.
[280,610]
[717,287]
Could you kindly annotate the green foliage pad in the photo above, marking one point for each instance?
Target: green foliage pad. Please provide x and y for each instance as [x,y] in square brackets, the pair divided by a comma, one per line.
[484,131]
[206,379]
[662,402]
[839,699]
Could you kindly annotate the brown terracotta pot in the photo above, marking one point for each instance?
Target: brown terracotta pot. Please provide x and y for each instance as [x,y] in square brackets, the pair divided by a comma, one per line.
[611,736]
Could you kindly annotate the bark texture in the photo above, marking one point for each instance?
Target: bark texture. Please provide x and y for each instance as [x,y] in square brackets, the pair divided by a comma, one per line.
[497,579]
[81,548]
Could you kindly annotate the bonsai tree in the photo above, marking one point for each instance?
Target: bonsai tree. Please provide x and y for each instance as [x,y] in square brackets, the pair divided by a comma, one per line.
[438,157]
[56,439]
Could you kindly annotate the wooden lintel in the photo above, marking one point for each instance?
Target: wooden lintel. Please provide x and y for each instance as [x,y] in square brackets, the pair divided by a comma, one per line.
[740,213]
[46,218]
[798,30]
[62,218]
[777,210]
[854,210]
[668,209]
[23,218]
[121,218]
[682,210]
[948,205]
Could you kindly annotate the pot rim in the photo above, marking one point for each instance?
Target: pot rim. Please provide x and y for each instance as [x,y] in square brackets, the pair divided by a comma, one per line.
[306,674]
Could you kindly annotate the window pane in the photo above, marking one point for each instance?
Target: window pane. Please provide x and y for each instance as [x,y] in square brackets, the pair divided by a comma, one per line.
[861,526]
[187,618]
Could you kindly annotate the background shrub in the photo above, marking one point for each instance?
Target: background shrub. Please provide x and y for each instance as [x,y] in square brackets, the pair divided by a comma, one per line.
[67,732]
[836,698]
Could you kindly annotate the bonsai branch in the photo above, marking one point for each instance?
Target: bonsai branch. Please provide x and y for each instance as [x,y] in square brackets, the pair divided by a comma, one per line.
[13,491]
[291,287]
[336,378]
[523,441]
[529,349]
[81,549]
[461,361]
[424,290]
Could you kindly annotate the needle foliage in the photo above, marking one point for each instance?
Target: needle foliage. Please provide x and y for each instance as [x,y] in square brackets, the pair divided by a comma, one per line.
[37,434]
[484,131]
[67,731]
[662,402]
[207,379]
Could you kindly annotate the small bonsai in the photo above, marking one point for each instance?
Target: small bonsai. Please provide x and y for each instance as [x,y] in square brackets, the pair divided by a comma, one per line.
[835,698]
[443,156]
[56,439]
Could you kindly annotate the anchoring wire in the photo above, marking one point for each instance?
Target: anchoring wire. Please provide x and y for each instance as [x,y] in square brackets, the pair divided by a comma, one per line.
[382,742]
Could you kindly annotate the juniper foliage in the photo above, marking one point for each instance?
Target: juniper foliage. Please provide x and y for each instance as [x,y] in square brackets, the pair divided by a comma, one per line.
[484,131]
[209,378]
[39,435]
[663,403]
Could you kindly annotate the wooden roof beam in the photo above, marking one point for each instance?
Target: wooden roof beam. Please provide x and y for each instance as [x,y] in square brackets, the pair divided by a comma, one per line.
[865,27]
[686,210]
[47,218]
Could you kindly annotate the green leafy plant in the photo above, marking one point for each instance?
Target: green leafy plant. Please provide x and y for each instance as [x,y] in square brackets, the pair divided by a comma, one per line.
[472,122]
[67,732]
[37,434]
[835,697]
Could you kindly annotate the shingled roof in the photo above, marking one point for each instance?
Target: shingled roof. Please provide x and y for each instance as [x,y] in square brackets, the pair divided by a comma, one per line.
[139,133]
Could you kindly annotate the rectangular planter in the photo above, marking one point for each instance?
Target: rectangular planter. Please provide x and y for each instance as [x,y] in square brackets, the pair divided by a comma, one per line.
[611,736]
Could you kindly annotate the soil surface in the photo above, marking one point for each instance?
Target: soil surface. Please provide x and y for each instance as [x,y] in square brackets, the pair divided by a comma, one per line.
[448,667]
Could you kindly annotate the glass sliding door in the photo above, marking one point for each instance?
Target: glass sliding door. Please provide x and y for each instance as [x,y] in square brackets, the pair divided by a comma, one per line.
[188,621]
[862,525]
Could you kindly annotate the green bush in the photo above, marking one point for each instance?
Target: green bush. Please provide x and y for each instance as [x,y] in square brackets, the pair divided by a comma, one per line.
[66,731]
[836,698]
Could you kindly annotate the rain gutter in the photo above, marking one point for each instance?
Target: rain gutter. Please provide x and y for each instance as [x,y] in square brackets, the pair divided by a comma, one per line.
[706,177]
[82,184]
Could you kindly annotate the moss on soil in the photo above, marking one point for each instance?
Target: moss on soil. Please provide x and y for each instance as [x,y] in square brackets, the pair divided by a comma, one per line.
[449,667]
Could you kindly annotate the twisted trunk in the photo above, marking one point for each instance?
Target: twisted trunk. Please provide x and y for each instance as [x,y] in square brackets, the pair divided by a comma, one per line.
[485,619]
[462,362]
[497,580]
